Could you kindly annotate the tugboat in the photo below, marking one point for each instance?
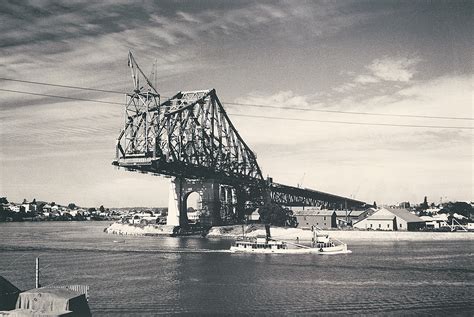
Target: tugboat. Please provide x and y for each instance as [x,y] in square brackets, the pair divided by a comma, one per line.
[265,244]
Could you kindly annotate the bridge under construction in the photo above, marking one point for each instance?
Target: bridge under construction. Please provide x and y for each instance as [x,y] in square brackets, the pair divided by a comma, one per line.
[191,138]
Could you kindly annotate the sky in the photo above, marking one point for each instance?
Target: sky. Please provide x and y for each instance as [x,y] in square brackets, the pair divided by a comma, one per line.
[390,57]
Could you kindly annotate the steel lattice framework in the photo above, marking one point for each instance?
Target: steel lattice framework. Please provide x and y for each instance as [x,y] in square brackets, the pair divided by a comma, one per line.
[190,135]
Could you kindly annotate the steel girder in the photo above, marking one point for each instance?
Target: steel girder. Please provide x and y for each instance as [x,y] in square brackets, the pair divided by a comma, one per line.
[295,196]
[189,135]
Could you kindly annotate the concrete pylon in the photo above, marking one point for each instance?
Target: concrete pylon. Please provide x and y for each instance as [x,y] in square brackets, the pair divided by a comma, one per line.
[174,203]
[211,205]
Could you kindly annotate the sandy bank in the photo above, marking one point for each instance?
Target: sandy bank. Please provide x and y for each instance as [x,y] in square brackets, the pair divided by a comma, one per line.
[343,235]
[294,233]
[139,230]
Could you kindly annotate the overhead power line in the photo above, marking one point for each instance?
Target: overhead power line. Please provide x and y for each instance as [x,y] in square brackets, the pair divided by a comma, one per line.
[62,86]
[350,122]
[352,112]
[260,105]
[61,97]
[256,116]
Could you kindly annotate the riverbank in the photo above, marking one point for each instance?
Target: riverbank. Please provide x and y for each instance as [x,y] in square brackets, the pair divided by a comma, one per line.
[139,230]
[343,235]
[294,233]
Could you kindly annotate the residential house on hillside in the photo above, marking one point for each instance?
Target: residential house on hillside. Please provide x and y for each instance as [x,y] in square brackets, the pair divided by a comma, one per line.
[28,207]
[391,219]
[315,217]
[14,208]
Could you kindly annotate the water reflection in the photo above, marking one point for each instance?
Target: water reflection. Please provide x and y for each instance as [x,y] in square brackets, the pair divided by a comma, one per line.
[152,275]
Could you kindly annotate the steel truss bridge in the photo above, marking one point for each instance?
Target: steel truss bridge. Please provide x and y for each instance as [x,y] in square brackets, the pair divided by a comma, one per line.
[190,136]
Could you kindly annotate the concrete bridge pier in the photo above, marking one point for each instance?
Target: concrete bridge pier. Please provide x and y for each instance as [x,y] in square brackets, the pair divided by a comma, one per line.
[209,192]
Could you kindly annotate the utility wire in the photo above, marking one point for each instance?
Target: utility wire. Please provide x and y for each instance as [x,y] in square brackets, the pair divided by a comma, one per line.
[61,97]
[352,112]
[259,105]
[353,123]
[62,86]
[257,116]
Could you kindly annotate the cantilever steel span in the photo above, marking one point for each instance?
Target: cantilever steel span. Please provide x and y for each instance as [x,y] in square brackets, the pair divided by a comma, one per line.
[191,136]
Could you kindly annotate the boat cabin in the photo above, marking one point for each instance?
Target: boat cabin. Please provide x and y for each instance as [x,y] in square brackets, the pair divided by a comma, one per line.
[260,242]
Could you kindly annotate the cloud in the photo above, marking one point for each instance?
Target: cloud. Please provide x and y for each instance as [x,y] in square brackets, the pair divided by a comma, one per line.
[391,69]
[235,47]
[448,96]
[340,158]
[366,79]
[280,99]
[399,70]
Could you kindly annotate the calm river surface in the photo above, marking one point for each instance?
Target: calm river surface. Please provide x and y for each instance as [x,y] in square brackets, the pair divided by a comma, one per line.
[146,276]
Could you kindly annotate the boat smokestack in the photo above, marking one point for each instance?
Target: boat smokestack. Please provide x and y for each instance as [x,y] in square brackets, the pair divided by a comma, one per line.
[267,230]
[37,284]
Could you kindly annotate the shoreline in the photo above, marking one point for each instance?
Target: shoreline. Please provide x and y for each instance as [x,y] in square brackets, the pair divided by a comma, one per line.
[138,230]
[254,230]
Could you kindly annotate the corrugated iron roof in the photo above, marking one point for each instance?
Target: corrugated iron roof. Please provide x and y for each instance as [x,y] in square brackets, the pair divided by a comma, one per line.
[350,213]
[382,214]
[404,214]
[313,212]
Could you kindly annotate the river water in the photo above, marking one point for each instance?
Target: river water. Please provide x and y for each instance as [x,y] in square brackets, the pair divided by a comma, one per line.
[147,276]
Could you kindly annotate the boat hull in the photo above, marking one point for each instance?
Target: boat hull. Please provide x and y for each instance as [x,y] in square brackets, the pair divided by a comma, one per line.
[328,251]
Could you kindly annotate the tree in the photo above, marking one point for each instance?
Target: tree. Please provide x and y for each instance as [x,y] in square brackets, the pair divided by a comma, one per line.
[460,208]
[425,205]
[274,214]
[3,211]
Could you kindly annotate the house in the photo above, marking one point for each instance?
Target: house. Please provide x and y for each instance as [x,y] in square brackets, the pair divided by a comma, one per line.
[28,207]
[314,217]
[193,215]
[470,226]
[254,216]
[391,219]
[14,208]
[432,210]
[436,221]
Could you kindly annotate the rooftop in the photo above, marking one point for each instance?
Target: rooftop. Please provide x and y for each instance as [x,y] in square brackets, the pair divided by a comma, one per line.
[313,212]
[404,214]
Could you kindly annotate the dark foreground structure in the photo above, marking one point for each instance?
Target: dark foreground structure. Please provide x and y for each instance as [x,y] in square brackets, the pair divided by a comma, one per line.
[41,302]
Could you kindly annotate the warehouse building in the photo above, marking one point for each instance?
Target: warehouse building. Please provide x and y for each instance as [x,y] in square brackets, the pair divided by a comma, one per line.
[391,219]
[313,217]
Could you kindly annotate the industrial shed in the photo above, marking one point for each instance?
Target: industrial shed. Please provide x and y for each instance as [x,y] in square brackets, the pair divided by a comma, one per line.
[391,219]
[314,217]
